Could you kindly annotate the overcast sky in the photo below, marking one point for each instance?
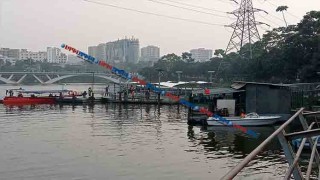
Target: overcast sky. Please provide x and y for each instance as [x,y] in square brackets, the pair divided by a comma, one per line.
[36,24]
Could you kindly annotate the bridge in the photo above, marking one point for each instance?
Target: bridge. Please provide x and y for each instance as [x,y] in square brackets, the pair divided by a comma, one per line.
[52,77]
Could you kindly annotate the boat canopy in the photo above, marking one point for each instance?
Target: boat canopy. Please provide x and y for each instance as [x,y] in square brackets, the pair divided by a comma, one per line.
[20,89]
[170,84]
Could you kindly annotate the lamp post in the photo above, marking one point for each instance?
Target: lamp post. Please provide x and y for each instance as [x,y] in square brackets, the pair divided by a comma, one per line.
[211,73]
[179,75]
[159,75]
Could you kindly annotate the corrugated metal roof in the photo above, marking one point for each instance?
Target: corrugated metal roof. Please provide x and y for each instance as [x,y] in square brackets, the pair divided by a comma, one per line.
[241,84]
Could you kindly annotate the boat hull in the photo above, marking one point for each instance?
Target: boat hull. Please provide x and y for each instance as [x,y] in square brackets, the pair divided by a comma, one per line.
[261,121]
[28,100]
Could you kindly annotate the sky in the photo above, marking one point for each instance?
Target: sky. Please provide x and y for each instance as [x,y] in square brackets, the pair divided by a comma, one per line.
[37,24]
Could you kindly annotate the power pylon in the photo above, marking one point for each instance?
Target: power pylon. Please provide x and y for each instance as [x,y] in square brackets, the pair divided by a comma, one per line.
[245,28]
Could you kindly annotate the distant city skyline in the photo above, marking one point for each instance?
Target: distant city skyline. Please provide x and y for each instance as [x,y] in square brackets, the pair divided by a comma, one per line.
[36,24]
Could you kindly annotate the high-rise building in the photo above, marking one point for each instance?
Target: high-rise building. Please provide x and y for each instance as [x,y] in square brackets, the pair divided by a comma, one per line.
[124,50]
[54,55]
[10,53]
[37,56]
[201,54]
[150,53]
[98,52]
[92,51]
[101,52]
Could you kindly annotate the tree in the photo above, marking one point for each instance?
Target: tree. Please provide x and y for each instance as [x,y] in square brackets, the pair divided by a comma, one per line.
[219,53]
[187,57]
[170,58]
[281,9]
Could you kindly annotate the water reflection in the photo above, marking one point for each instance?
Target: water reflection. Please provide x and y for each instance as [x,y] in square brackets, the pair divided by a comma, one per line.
[229,143]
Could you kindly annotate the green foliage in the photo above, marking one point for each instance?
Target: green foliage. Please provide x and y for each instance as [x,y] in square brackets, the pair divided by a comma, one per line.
[283,55]
[187,57]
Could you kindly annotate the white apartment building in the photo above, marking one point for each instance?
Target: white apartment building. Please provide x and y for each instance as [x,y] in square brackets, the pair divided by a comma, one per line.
[150,53]
[54,55]
[62,58]
[37,56]
[201,54]
[10,53]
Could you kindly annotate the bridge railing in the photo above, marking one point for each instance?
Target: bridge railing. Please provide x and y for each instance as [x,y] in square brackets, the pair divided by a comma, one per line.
[285,141]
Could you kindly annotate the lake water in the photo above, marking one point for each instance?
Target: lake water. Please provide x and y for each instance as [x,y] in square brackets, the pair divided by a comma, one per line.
[113,141]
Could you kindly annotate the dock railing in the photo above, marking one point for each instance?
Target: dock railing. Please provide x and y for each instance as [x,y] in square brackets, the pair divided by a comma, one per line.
[285,140]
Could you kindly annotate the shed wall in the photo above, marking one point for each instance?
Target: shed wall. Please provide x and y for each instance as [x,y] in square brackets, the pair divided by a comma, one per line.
[265,99]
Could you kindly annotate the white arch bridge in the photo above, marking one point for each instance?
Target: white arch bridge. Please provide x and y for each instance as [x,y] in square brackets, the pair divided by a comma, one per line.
[52,77]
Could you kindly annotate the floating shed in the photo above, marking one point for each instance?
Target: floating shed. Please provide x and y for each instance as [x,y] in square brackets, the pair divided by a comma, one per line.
[265,98]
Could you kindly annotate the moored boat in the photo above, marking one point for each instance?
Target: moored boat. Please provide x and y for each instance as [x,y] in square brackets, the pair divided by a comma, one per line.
[29,97]
[28,100]
[251,119]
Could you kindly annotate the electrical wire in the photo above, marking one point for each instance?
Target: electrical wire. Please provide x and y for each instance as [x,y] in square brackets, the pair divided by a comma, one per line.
[194,10]
[191,5]
[270,21]
[226,1]
[150,13]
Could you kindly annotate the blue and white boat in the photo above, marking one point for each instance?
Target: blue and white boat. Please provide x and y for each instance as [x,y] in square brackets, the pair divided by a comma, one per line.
[251,119]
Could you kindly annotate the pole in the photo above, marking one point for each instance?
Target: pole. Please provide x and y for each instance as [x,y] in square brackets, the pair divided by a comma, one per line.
[179,75]
[159,73]
[92,85]
[211,73]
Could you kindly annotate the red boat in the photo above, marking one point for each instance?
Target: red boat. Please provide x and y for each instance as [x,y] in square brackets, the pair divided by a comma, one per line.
[32,99]
[29,100]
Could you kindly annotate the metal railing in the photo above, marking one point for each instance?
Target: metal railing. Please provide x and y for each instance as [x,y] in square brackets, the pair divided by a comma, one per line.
[285,139]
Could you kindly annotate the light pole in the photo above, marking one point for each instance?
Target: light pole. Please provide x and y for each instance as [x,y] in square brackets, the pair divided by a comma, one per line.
[159,75]
[211,73]
[179,75]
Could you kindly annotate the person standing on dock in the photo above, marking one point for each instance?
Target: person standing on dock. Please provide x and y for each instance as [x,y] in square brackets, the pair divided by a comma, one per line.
[10,93]
[84,94]
[147,94]
[132,91]
[90,91]
[107,90]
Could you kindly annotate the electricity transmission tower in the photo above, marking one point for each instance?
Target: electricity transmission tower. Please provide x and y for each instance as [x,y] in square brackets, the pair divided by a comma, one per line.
[245,28]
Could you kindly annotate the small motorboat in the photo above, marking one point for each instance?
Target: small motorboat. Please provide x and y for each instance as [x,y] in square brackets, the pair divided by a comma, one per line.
[251,119]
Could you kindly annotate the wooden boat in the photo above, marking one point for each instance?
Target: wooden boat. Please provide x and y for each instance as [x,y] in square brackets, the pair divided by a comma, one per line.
[29,97]
[251,119]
